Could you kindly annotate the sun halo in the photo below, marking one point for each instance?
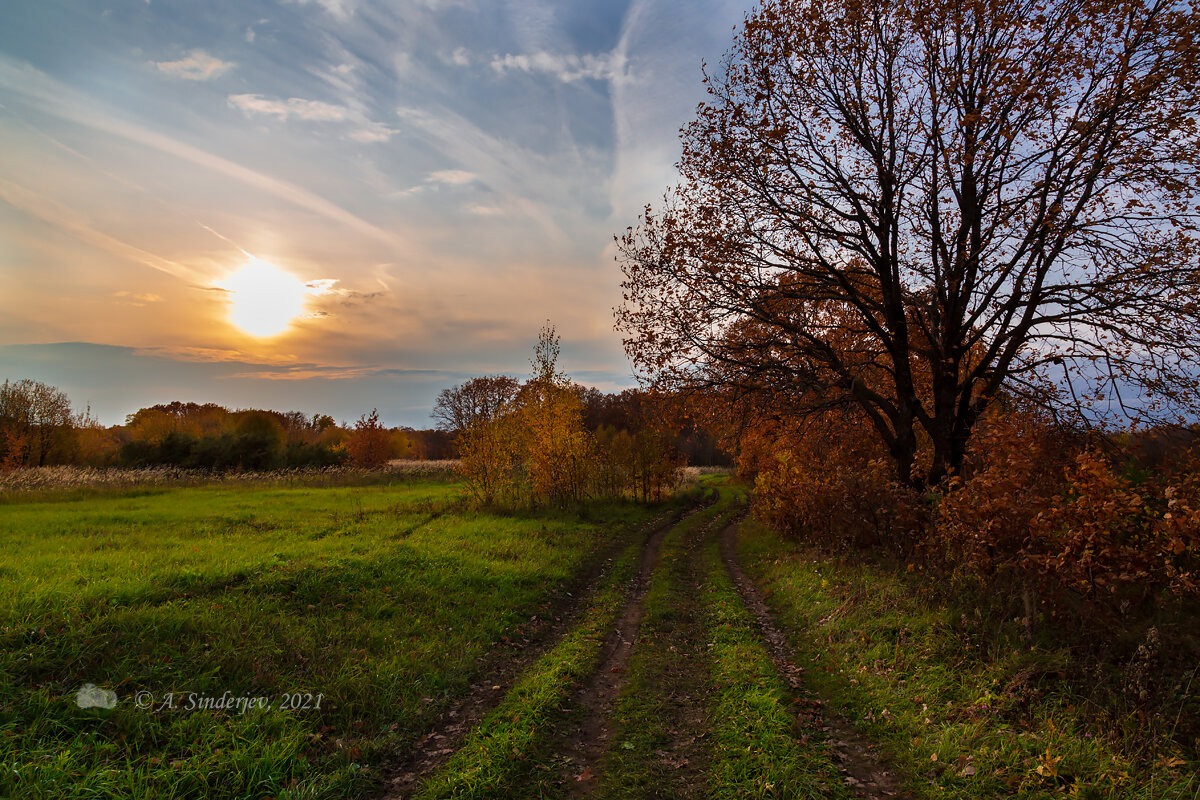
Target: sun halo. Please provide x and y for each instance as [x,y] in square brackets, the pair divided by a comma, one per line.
[264,299]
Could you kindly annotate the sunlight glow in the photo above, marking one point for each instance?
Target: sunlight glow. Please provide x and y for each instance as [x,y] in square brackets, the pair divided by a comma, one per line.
[264,299]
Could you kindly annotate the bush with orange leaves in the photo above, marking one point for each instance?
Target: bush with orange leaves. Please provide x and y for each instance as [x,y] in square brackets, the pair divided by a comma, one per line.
[1014,467]
[829,482]
[1037,508]
[1062,518]
[1114,541]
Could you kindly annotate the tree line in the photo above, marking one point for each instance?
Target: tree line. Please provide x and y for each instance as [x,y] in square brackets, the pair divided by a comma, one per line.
[38,427]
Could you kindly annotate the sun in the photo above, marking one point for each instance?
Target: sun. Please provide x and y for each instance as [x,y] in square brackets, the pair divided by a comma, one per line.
[264,299]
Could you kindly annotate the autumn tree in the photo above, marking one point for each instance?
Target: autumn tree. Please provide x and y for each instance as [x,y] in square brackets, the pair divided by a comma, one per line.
[914,207]
[533,446]
[37,426]
[477,400]
[370,444]
[560,447]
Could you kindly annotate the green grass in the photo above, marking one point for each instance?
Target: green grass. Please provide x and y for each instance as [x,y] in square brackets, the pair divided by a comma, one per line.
[499,751]
[755,749]
[381,599]
[509,753]
[698,640]
[958,722]
[666,677]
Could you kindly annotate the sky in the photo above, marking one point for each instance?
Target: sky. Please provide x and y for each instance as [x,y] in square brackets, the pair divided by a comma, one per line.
[329,205]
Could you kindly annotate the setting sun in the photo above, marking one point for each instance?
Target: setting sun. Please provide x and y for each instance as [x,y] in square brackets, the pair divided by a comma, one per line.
[264,299]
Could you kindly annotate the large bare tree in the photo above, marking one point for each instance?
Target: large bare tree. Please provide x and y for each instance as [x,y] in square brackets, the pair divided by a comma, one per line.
[914,206]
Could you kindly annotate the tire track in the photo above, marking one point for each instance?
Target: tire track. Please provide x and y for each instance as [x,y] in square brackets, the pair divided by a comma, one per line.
[501,667]
[583,748]
[863,770]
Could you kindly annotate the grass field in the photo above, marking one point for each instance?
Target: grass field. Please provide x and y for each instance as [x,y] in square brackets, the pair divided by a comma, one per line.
[367,606]
[410,634]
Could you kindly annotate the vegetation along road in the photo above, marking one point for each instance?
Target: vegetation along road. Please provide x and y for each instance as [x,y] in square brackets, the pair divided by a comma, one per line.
[406,644]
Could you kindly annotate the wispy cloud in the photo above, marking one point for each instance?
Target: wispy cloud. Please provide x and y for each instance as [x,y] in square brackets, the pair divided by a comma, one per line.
[374,132]
[566,67]
[520,175]
[298,107]
[461,57]
[60,100]
[453,177]
[442,177]
[197,65]
[138,299]
[309,373]
[214,355]
[341,9]
[68,219]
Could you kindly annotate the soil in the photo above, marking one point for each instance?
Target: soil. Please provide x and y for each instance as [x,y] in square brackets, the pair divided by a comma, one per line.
[581,741]
[863,769]
[505,663]
[580,748]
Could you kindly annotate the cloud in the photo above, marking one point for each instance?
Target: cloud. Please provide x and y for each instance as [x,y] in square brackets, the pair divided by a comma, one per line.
[213,355]
[309,110]
[138,300]
[374,132]
[530,182]
[61,216]
[338,8]
[566,67]
[453,177]
[55,98]
[304,374]
[197,65]
[322,286]
[486,211]
[461,57]
[443,177]
[313,111]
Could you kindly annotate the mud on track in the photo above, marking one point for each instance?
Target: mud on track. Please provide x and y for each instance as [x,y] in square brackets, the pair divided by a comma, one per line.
[864,772]
[581,749]
[598,695]
[507,661]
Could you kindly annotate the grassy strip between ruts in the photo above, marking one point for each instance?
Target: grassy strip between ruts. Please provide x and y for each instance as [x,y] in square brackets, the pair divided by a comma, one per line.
[497,752]
[956,724]
[666,678]
[379,600]
[755,750]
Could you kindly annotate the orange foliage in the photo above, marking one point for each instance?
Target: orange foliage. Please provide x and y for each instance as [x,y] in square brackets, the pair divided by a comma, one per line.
[370,445]
[1067,521]
[830,481]
[1036,507]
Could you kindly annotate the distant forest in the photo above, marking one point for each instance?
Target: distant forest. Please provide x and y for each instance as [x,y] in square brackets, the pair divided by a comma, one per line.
[40,427]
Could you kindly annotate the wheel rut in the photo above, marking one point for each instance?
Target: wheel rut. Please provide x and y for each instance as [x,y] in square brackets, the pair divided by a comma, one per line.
[864,771]
[502,666]
[581,749]
[661,646]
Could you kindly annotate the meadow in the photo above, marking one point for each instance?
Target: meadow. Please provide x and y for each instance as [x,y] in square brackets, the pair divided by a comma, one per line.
[366,608]
[294,638]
